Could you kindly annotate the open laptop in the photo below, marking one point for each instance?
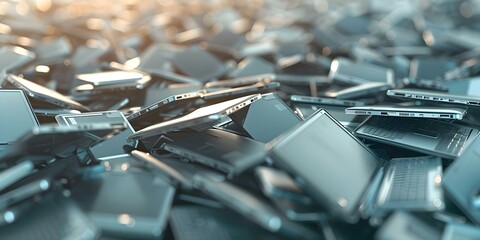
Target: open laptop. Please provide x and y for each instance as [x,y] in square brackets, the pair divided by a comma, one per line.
[219,149]
[47,141]
[17,116]
[43,94]
[347,178]
[111,147]
[430,136]
[435,96]
[208,115]
[462,181]
[409,111]
[266,118]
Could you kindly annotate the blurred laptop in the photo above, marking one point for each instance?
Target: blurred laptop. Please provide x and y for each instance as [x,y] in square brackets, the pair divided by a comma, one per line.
[43,94]
[17,116]
[465,193]
[429,136]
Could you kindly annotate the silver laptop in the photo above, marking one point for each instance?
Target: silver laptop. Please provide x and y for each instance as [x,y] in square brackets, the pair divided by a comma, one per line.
[202,117]
[343,70]
[17,117]
[430,136]
[221,150]
[355,182]
[112,147]
[409,111]
[435,96]
[44,94]
[462,182]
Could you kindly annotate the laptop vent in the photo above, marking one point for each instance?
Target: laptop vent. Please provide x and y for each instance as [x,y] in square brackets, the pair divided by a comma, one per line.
[360,112]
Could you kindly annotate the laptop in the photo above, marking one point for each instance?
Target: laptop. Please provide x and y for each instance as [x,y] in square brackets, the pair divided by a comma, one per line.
[345,71]
[204,116]
[305,110]
[435,96]
[215,95]
[111,77]
[127,202]
[414,111]
[111,147]
[347,178]
[47,141]
[43,94]
[219,149]
[326,101]
[430,136]
[266,118]
[457,231]
[13,126]
[462,181]
[360,90]
[222,224]
[12,57]
[158,111]
[52,217]
[404,225]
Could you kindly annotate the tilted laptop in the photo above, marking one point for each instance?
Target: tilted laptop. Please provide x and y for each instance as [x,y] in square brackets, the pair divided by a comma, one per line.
[43,94]
[158,111]
[16,118]
[111,147]
[430,136]
[414,111]
[462,181]
[347,178]
[208,115]
[221,150]
[266,118]
[435,96]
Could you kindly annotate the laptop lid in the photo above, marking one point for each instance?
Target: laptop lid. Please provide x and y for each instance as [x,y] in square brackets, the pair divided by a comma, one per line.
[111,147]
[47,141]
[266,118]
[435,96]
[221,150]
[44,94]
[465,193]
[208,115]
[315,153]
[17,116]
[409,111]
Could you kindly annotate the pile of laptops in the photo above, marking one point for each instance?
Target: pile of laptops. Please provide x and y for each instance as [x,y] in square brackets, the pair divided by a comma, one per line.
[229,120]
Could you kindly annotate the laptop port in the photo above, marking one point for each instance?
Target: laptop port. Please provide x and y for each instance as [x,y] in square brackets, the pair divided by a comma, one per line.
[383,113]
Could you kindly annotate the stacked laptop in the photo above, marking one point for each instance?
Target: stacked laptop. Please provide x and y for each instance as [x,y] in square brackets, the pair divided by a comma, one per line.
[239,120]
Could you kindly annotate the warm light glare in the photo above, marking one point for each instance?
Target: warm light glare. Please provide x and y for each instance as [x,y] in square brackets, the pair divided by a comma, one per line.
[133,63]
[5,29]
[43,5]
[42,69]
[22,8]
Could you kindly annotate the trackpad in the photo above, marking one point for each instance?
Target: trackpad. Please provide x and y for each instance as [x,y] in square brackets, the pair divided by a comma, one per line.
[426,133]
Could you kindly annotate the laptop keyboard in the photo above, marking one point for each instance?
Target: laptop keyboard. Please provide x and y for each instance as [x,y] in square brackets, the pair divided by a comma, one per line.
[394,128]
[454,140]
[410,179]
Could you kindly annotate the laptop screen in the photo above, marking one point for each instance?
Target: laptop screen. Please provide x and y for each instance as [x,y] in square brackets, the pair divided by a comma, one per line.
[16,114]
[333,165]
